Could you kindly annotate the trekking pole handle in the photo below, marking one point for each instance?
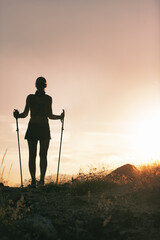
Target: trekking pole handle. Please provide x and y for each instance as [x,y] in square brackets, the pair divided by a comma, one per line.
[15,114]
[17,129]
[63,119]
[63,113]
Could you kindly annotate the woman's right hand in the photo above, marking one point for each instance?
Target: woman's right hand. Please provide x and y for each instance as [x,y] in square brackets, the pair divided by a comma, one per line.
[62,115]
[16,113]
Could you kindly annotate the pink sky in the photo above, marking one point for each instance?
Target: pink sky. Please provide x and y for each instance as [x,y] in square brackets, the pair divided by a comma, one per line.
[101,59]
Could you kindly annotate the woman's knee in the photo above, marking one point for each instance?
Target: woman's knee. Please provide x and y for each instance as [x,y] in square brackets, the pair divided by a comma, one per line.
[43,149]
[32,157]
[32,149]
[43,156]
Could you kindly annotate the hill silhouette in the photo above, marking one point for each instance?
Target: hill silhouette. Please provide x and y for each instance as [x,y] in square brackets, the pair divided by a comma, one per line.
[125,174]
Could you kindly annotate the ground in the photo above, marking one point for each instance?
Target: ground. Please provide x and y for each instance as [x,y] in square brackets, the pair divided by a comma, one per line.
[89,210]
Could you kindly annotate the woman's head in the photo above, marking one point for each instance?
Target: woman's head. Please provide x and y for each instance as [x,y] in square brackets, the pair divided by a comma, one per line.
[41,83]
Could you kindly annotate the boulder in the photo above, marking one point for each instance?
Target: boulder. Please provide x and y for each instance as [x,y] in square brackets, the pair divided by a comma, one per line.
[38,227]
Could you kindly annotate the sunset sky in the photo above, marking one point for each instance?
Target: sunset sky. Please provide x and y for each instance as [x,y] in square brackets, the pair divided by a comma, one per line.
[101,59]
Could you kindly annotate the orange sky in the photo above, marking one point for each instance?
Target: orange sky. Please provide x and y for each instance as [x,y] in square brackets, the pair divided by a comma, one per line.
[101,59]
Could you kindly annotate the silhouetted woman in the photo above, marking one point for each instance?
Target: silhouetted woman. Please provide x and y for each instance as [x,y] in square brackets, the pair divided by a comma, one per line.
[40,106]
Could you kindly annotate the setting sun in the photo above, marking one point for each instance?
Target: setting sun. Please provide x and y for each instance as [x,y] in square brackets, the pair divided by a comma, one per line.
[146,132]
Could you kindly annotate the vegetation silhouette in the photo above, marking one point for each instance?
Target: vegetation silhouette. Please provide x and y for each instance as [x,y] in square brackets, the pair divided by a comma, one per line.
[90,208]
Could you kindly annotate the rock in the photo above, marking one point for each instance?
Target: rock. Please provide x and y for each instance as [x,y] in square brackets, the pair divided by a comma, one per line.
[4,238]
[38,227]
[82,234]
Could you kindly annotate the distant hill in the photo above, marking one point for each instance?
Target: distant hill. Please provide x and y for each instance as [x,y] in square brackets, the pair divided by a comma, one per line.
[125,174]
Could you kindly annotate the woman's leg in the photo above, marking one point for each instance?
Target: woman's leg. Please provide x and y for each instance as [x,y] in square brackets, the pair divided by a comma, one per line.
[32,145]
[44,144]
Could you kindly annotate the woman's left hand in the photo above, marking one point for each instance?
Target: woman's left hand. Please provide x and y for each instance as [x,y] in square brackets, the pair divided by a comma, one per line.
[16,113]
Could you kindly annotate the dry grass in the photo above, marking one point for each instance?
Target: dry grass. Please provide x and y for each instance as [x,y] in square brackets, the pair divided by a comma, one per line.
[150,174]
[2,168]
[90,207]
[4,179]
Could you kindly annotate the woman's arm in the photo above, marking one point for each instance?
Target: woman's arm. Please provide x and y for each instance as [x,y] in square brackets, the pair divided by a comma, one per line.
[26,109]
[51,115]
[25,112]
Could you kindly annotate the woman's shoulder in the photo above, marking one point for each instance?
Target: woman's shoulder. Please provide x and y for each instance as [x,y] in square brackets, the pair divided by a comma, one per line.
[30,96]
[49,98]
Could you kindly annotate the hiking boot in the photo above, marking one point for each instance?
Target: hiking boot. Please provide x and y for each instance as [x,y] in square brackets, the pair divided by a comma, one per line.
[40,183]
[33,184]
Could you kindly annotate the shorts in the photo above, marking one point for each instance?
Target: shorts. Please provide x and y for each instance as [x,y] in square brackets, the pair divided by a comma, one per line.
[38,130]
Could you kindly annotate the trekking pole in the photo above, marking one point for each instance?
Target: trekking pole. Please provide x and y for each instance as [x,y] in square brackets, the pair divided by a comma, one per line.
[62,128]
[19,152]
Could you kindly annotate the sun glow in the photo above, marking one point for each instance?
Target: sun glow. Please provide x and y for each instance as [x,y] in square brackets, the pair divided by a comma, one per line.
[146,134]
